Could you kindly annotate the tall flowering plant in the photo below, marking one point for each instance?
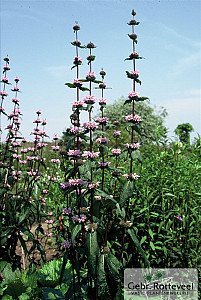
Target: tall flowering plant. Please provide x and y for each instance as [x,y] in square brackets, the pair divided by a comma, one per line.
[131,149]
[23,192]
[95,224]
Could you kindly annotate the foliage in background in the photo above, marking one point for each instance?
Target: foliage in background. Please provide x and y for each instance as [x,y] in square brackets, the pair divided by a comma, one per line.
[183,132]
[151,129]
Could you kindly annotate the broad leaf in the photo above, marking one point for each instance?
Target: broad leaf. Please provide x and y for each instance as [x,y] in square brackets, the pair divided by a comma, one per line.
[92,250]
[103,290]
[113,265]
[127,192]
[138,246]
[75,232]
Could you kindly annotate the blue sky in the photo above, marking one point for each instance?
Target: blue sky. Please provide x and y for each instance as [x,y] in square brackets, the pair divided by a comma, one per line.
[36,35]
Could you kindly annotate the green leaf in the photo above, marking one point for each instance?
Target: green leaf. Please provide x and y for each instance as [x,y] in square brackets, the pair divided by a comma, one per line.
[151,233]
[26,210]
[27,232]
[42,251]
[49,274]
[3,265]
[127,192]
[7,297]
[113,265]
[51,294]
[142,98]
[138,246]
[9,273]
[143,239]
[70,85]
[24,297]
[103,290]
[127,101]
[106,200]
[23,244]
[65,260]
[75,232]
[152,246]
[137,155]
[119,211]
[15,288]
[82,88]
[92,250]
[138,81]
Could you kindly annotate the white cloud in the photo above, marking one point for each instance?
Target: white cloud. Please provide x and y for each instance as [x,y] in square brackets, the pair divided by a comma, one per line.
[174,33]
[187,62]
[186,109]
[58,71]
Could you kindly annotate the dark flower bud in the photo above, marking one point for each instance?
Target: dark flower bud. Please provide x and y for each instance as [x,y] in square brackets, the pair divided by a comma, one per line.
[133,36]
[133,13]
[132,22]
[76,27]
[74,116]
[91,58]
[116,123]
[102,73]
[102,85]
[90,45]
[116,173]
[6,59]
[134,55]
[77,43]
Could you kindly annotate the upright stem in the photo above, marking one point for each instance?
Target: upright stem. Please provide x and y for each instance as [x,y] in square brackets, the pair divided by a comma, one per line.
[133,103]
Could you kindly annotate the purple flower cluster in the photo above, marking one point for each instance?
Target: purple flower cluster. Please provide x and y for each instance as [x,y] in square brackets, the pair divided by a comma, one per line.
[90,125]
[78,104]
[77,60]
[79,219]
[55,161]
[132,176]
[102,101]
[133,118]
[133,146]
[74,153]
[117,133]
[133,74]
[90,99]
[104,164]
[75,129]
[77,83]
[116,151]
[73,182]
[92,154]
[102,140]
[90,76]
[133,95]
[67,211]
[102,121]
[67,244]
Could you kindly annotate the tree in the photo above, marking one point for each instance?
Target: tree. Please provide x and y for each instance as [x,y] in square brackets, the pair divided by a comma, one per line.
[183,131]
[151,129]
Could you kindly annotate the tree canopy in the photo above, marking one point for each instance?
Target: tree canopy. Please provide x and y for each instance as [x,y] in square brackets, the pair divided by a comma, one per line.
[151,128]
[183,131]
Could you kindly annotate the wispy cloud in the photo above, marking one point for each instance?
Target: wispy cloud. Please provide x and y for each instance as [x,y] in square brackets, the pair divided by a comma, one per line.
[58,71]
[174,33]
[29,15]
[184,63]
